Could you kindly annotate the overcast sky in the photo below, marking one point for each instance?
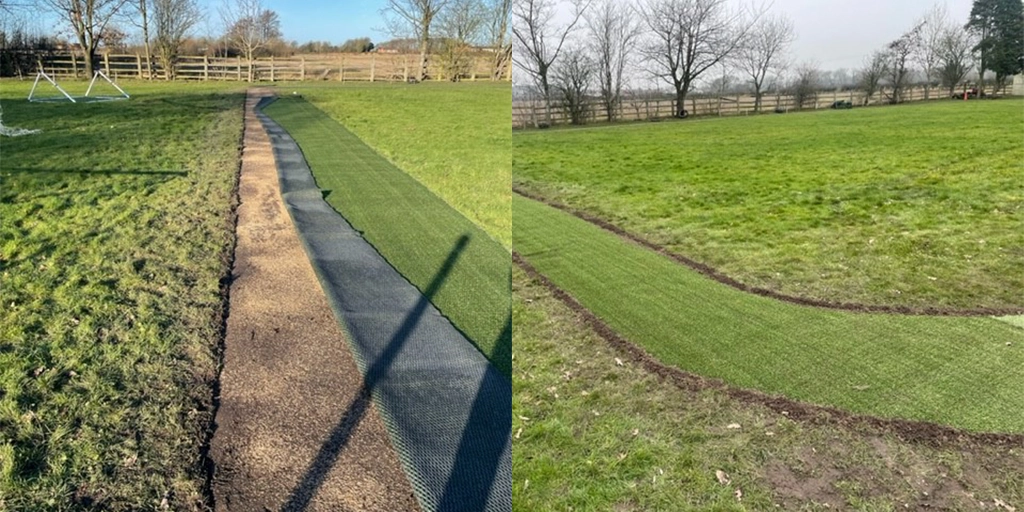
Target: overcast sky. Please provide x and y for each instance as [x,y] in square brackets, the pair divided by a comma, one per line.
[835,34]
[840,33]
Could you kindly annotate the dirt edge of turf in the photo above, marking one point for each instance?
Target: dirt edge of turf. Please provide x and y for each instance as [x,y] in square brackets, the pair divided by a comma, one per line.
[220,317]
[921,432]
[722,278]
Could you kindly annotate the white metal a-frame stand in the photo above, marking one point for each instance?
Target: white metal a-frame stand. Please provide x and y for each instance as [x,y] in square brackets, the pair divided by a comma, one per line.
[42,74]
[97,75]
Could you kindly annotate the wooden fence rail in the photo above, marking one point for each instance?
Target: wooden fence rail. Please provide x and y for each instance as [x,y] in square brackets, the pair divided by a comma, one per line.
[367,67]
[533,113]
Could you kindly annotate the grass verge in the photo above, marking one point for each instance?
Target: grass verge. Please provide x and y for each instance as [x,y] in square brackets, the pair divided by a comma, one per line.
[917,205]
[453,138]
[411,227]
[115,237]
[593,434]
[963,372]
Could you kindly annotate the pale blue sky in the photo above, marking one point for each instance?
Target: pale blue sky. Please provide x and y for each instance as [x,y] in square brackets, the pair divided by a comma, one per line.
[306,20]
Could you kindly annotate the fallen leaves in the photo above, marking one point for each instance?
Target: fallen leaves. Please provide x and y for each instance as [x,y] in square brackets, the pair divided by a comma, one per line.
[722,476]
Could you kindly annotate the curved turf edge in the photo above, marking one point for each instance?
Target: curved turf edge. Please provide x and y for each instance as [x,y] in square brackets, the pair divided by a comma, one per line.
[957,371]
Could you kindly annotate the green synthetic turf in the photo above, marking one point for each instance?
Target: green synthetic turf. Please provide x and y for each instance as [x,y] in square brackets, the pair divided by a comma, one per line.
[914,205]
[452,137]
[411,227]
[955,371]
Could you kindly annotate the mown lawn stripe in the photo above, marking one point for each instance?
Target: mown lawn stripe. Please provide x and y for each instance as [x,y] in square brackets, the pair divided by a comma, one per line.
[955,371]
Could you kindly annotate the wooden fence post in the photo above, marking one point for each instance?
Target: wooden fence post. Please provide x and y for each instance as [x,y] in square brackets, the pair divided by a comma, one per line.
[106,63]
[373,65]
[341,75]
[239,68]
[272,77]
[302,68]
[138,64]
[405,70]
[206,68]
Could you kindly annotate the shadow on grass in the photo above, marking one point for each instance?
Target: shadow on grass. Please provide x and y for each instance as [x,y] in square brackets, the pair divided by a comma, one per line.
[467,472]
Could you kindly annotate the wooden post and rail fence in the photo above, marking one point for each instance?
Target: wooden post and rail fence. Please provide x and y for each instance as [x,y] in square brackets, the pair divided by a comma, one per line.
[532,113]
[354,67]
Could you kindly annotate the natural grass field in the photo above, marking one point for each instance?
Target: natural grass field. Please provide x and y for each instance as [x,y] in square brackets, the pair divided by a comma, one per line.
[114,235]
[964,372]
[410,226]
[453,138]
[916,205]
[593,435]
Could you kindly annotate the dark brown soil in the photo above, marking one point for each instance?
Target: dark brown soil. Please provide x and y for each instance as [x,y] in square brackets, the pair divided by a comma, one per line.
[764,292]
[911,431]
[295,429]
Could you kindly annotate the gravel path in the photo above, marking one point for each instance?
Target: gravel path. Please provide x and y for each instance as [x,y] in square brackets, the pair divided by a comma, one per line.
[282,441]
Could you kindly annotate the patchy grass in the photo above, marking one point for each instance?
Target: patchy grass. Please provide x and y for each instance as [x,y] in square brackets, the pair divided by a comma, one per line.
[960,371]
[591,434]
[114,239]
[411,227]
[916,205]
[453,138]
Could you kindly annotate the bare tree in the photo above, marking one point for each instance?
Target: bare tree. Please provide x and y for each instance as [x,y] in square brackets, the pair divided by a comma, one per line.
[88,19]
[140,17]
[688,38]
[460,25]
[613,33]
[500,12]
[572,77]
[900,52]
[250,28]
[540,41]
[806,83]
[955,56]
[933,25]
[762,52]
[872,73]
[173,20]
[413,17]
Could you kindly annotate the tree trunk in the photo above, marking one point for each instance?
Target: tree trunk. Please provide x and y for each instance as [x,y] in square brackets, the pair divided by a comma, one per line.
[757,99]
[424,44]
[500,61]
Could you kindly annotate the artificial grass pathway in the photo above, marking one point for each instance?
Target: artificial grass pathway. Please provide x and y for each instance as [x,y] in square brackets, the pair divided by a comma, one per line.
[962,372]
[410,226]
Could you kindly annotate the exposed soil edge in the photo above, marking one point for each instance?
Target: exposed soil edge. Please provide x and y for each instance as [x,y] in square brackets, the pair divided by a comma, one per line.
[931,434]
[220,318]
[764,292]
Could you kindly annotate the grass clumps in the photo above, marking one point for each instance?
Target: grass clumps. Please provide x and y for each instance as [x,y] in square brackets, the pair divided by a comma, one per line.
[115,237]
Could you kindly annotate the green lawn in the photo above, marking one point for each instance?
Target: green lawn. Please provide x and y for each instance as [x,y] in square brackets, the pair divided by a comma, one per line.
[916,205]
[114,238]
[453,138]
[591,434]
[964,372]
[409,225]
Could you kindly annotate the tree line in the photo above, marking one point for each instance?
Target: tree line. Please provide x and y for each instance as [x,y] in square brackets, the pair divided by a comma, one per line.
[450,30]
[575,51]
